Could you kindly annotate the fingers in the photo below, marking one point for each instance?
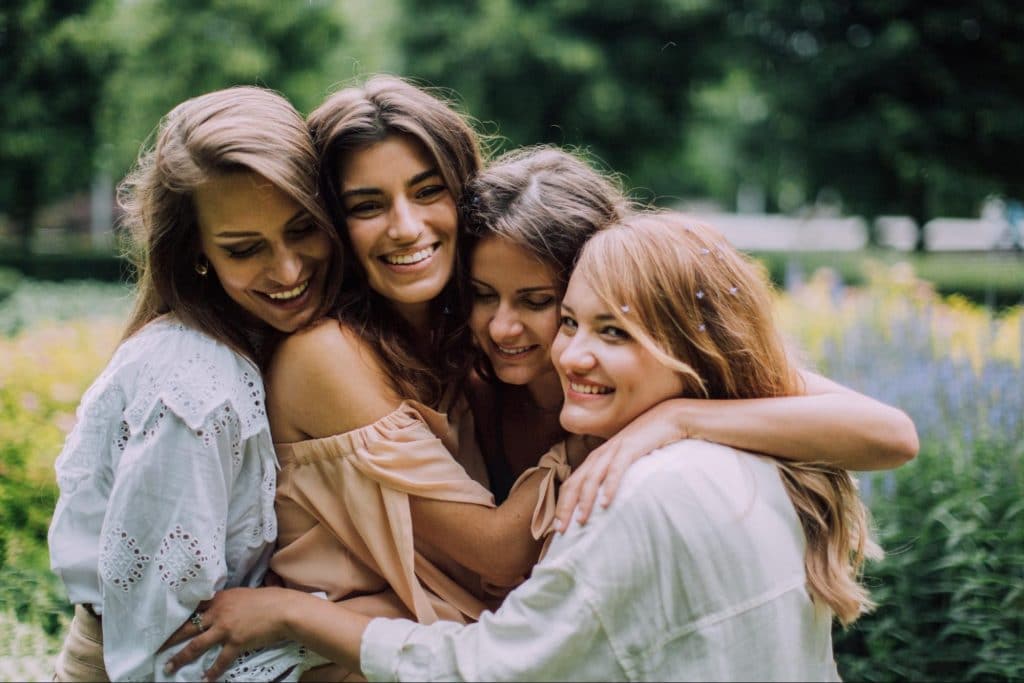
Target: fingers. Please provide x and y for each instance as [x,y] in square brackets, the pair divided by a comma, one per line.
[223,661]
[568,494]
[589,487]
[195,648]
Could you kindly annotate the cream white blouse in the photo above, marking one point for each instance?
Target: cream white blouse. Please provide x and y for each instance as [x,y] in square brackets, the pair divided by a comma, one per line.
[167,496]
[694,572]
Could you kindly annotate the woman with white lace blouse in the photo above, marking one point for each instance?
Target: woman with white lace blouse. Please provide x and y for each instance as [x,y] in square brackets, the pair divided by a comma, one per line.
[167,480]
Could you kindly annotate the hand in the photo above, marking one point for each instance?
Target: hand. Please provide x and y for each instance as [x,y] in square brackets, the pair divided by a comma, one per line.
[607,463]
[186,630]
[239,619]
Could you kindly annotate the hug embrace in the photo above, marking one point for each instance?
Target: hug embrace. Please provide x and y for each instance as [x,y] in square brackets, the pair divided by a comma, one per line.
[388,410]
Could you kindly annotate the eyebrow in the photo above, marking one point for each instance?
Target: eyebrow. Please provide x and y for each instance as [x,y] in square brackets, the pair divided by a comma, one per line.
[252,233]
[601,317]
[418,178]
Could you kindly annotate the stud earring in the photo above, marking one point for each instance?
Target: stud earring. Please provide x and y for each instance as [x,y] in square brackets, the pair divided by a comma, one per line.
[202,268]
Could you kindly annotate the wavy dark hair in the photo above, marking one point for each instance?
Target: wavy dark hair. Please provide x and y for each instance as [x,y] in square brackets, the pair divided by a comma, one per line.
[236,129]
[353,119]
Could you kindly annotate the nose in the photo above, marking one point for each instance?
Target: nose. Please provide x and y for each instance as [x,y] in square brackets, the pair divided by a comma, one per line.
[405,226]
[576,356]
[287,267]
[505,325]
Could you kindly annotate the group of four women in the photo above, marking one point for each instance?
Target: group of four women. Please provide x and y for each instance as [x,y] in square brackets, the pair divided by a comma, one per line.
[454,355]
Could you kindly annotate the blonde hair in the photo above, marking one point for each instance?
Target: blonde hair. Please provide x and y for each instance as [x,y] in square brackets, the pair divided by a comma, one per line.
[704,310]
[237,129]
[351,120]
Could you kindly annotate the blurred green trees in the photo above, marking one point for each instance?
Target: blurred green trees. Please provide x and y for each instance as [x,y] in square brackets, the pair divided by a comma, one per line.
[900,107]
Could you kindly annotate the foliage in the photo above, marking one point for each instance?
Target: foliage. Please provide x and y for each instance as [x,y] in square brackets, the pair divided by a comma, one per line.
[900,107]
[53,69]
[951,603]
[44,369]
[603,75]
[951,589]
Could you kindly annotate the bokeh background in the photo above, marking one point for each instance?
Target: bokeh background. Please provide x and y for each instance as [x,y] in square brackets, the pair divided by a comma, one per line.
[870,152]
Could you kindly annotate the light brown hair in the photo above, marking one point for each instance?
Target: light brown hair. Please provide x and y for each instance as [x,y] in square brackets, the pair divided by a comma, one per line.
[358,117]
[705,311]
[546,200]
[236,129]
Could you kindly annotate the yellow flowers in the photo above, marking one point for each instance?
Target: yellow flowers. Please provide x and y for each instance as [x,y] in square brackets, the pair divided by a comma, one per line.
[821,314]
[44,371]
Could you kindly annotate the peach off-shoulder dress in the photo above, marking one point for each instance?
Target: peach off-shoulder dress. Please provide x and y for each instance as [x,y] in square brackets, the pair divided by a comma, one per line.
[344,524]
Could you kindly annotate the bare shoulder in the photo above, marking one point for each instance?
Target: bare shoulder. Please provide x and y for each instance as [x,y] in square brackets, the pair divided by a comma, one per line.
[326,380]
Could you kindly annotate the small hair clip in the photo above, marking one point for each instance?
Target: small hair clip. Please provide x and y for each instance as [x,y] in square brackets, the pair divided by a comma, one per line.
[702,327]
[733,290]
[624,309]
[700,293]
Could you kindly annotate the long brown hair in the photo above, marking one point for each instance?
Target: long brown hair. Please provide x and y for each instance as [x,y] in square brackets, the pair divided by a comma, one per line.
[545,200]
[353,119]
[240,128]
[704,310]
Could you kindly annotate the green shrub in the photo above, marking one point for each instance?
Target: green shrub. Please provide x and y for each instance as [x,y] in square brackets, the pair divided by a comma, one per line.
[951,588]
[9,279]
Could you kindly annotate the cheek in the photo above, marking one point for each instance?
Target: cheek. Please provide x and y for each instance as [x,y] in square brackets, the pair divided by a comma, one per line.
[235,278]
[478,319]
[361,235]
[558,346]
[546,327]
[320,247]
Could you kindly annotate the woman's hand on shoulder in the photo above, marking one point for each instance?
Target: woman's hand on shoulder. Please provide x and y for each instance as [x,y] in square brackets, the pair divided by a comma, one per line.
[603,469]
[326,380]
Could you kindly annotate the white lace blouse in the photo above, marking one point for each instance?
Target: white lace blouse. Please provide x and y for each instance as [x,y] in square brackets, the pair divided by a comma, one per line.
[166,496]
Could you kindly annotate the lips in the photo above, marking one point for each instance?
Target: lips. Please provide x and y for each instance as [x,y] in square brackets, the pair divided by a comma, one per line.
[290,299]
[290,294]
[578,385]
[513,351]
[410,258]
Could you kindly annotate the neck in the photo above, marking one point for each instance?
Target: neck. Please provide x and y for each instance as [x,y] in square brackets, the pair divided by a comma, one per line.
[418,317]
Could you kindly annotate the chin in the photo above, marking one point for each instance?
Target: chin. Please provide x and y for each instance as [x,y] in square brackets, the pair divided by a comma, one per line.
[575,423]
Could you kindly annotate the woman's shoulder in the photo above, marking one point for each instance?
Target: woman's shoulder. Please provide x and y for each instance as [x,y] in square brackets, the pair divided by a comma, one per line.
[326,379]
[322,344]
[178,366]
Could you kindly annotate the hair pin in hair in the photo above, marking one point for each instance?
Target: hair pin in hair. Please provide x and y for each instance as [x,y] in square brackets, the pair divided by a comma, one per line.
[702,327]
[700,293]
[624,309]
[734,290]
[705,251]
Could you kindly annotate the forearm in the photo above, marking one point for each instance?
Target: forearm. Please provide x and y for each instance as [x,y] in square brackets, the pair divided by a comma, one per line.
[493,542]
[841,428]
[326,627]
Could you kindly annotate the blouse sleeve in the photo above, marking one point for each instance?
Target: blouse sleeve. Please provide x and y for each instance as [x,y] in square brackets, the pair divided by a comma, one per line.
[163,542]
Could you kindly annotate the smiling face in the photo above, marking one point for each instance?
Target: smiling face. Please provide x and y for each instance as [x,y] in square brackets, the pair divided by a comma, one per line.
[515,310]
[270,257]
[402,221]
[608,378]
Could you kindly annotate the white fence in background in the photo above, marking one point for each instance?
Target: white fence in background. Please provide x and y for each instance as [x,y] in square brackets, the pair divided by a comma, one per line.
[773,232]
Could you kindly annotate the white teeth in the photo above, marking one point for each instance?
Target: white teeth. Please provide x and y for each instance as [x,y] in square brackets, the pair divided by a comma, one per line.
[409,259]
[291,293]
[589,389]
[510,351]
